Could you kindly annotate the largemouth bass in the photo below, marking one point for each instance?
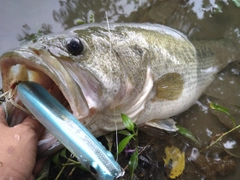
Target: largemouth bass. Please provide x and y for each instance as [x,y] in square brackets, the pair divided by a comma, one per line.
[149,72]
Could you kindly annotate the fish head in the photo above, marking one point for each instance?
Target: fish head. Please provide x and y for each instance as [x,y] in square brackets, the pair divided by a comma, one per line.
[35,62]
[76,67]
[78,62]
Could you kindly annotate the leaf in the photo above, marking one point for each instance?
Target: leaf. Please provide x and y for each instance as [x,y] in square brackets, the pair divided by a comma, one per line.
[78,21]
[128,123]
[236,2]
[63,153]
[55,159]
[133,163]
[124,142]
[91,18]
[188,134]
[217,107]
[109,138]
[174,159]
[124,132]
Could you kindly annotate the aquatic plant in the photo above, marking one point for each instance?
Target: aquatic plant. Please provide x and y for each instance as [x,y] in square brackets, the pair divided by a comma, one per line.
[218,137]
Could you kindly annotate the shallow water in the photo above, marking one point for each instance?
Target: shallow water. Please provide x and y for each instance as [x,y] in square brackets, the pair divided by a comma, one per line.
[198,19]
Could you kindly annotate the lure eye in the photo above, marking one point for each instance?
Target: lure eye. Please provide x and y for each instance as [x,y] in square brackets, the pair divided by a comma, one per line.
[93,170]
[75,46]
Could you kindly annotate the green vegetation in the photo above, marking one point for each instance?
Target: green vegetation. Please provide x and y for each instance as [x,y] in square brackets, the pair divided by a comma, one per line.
[233,152]
[223,110]
[236,2]
[90,19]
[131,134]
[188,134]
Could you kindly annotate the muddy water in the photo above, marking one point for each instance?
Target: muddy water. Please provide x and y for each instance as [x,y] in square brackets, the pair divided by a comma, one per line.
[198,19]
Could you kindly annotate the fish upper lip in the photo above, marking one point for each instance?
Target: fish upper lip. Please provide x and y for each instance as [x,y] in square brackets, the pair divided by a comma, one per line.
[43,64]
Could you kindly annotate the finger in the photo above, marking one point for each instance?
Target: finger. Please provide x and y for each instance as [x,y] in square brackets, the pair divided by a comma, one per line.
[31,177]
[35,125]
[2,116]
[39,166]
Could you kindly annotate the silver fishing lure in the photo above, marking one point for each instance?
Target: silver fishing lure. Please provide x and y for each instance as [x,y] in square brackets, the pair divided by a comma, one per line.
[69,131]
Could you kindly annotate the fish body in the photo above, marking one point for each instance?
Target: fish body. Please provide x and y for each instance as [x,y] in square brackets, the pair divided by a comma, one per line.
[149,72]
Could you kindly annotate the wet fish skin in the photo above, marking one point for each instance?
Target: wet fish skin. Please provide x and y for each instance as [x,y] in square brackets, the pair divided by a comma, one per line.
[147,71]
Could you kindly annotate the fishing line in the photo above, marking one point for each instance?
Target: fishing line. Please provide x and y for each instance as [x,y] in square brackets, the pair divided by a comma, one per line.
[8,95]
[5,94]
[110,42]
[109,35]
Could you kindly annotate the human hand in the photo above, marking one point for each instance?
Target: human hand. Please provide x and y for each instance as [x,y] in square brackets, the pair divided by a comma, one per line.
[18,148]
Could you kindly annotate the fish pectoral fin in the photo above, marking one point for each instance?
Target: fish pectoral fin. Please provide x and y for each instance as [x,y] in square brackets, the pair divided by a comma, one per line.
[164,124]
[169,86]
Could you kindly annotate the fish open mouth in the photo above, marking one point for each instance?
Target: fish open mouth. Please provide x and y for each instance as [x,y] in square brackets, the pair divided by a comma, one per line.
[46,70]
[20,73]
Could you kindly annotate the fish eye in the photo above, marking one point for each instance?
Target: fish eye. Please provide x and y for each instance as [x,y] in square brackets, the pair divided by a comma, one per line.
[75,46]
